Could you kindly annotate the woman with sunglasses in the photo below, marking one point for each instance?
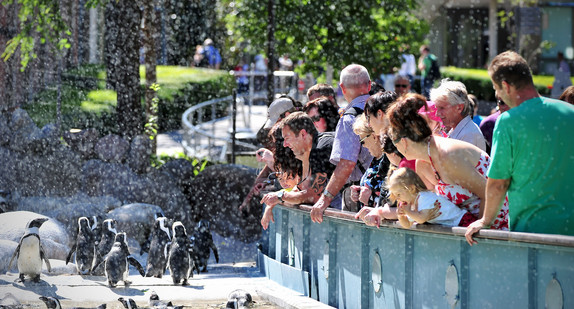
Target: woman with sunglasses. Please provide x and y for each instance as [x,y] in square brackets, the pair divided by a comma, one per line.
[457,169]
[324,115]
[370,191]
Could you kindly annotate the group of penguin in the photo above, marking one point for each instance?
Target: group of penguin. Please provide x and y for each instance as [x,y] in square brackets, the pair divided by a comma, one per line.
[102,250]
[154,302]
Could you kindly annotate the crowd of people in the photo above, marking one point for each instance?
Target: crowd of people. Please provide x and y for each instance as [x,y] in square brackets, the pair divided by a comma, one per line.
[399,155]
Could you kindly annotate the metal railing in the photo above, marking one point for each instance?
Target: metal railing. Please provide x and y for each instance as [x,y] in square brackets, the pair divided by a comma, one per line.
[209,129]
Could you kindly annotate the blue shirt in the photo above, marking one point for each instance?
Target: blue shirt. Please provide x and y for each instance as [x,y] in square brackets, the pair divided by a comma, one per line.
[347,144]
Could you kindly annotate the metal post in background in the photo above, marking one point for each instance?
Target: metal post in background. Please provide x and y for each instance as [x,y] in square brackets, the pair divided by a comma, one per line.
[233,116]
[270,51]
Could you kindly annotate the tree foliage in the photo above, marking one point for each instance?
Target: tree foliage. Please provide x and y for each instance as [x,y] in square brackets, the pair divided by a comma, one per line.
[338,32]
[36,17]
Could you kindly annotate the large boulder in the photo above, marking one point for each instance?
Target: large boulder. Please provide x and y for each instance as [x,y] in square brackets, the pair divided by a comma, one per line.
[7,248]
[82,142]
[119,181]
[216,194]
[139,154]
[53,235]
[112,148]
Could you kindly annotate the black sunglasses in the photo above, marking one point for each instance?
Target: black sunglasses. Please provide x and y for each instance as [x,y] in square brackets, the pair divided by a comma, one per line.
[316,118]
[363,139]
[401,85]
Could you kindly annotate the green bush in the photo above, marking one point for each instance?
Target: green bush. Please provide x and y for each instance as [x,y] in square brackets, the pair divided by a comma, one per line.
[198,165]
[478,82]
[87,104]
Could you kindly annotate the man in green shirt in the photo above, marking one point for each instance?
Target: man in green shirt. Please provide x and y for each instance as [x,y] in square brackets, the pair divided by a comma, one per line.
[532,155]
[428,72]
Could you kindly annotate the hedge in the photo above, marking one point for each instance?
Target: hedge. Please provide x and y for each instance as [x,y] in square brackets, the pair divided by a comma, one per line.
[87,104]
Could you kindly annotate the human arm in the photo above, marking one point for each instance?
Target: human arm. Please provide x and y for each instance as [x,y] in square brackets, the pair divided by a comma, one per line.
[423,215]
[374,216]
[402,216]
[257,186]
[495,194]
[264,155]
[338,179]
[365,194]
[267,216]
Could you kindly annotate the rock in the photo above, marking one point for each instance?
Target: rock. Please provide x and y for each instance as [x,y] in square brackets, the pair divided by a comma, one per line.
[136,220]
[59,267]
[221,189]
[55,174]
[82,142]
[119,181]
[112,148]
[181,170]
[5,131]
[24,131]
[53,235]
[139,154]
[45,140]
[7,248]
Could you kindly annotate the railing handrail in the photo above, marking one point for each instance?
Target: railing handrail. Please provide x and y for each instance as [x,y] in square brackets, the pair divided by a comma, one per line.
[522,237]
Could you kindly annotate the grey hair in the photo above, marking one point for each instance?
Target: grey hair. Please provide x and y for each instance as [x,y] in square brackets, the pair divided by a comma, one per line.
[454,92]
[354,76]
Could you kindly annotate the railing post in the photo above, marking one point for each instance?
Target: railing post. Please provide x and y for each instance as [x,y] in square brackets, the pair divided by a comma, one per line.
[233,117]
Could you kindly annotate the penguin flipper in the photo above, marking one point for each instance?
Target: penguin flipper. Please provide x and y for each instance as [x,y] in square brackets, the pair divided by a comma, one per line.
[136,264]
[13,256]
[45,258]
[215,253]
[72,250]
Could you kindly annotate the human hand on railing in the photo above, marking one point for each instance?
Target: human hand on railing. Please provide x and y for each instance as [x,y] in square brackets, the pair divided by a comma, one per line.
[319,209]
[264,155]
[364,195]
[270,199]
[267,216]
[355,190]
[472,229]
[370,216]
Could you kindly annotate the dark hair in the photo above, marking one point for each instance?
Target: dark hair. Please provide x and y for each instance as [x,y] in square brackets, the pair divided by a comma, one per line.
[511,68]
[376,87]
[379,101]
[326,110]
[568,95]
[405,119]
[300,121]
[285,160]
[388,146]
[324,89]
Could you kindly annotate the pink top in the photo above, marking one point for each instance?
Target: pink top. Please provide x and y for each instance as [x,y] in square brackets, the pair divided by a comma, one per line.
[465,199]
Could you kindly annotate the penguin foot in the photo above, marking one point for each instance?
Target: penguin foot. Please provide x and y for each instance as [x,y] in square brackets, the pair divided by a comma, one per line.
[184,282]
[36,279]
[112,284]
[20,278]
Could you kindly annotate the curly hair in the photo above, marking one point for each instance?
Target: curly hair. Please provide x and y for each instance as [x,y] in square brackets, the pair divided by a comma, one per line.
[405,119]
[326,111]
[285,160]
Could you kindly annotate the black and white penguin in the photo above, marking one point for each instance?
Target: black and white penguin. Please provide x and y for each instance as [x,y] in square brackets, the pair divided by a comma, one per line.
[54,303]
[239,299]
[128,303]
[180,261]
[159,248]
[96,227]
[105,245]
[116,262]
[30,252]
[202,242]
[84,247]
[156,303]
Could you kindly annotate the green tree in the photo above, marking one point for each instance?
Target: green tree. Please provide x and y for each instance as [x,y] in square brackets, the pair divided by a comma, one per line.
[337,32]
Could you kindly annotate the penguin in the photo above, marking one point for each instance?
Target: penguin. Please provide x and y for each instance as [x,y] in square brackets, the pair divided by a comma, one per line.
[129,303]
[156,303]
[96,227]
[180,261]
[159,247]
[116,265]
[84,247]
[239,299]
[54,303]
[105,245]
[202,241]
[30,252]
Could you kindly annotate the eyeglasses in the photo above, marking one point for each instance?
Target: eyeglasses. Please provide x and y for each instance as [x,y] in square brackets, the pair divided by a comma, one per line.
[397,140]
[401,85]
[316,118]
[362,141]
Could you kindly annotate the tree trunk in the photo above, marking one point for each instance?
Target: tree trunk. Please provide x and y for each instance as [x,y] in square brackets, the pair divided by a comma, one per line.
[122,55]
[150,37]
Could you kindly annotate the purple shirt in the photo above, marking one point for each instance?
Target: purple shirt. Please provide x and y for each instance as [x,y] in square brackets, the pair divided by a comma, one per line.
[347,144]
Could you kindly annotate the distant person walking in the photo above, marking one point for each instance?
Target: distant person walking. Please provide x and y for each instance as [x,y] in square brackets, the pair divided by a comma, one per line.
[561,77]
[429,68]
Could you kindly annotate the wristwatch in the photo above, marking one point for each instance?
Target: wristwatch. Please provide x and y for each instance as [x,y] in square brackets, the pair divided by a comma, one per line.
[328,194]
[280,195]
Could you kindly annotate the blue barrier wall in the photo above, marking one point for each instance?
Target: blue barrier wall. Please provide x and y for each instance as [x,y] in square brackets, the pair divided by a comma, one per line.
[346,264]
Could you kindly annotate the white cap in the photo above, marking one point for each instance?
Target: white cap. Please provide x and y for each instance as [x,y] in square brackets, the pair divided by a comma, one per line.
[275,110]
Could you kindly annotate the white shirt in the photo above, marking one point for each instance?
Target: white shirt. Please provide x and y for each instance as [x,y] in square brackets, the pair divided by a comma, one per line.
[450,213]
[466,130]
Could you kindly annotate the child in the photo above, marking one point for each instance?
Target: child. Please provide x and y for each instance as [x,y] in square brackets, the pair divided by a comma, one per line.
[288,183]
[417,204]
